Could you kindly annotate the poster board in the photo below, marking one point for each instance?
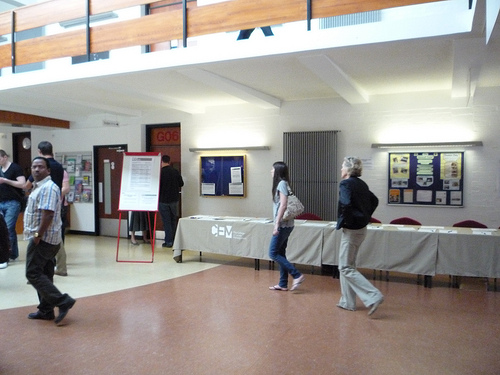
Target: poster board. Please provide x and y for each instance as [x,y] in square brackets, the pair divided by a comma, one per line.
[140,182]
[426,178]
[78,166]
[222,176]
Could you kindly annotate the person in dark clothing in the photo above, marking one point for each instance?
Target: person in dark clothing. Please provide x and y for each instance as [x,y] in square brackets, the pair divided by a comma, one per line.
[4,244]
[356,206]
[12,181]
[170,184]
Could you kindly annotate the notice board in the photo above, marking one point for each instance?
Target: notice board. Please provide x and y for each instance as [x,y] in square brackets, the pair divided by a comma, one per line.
[140,183]
[222,176]
[426,178]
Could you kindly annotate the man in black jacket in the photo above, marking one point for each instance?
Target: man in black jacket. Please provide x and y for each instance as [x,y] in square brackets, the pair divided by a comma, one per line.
[170,185]
[356,206]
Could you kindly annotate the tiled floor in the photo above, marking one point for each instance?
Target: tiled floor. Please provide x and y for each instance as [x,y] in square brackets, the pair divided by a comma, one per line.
[218,317]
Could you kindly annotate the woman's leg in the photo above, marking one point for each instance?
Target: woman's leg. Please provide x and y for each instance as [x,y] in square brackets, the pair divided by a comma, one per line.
[277,252]
[352,282]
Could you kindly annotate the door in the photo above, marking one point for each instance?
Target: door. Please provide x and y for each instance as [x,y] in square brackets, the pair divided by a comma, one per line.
[21,155]
[108,169]
[165,138]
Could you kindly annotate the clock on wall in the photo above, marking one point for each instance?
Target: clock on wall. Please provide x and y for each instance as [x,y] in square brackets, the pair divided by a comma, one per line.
[26,143]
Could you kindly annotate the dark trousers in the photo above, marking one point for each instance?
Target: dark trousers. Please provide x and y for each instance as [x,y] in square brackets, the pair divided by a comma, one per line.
[169,216]
[40,273]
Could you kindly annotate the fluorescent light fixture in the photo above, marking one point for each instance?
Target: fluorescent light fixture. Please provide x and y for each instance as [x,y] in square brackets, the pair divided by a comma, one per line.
[93,18]
[428,144]
[242,148]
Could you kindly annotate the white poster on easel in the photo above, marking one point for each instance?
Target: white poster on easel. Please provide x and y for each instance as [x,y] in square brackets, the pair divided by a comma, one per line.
[140,183]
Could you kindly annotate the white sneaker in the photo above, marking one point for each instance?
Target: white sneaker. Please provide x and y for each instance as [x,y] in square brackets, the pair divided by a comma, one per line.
[4,265]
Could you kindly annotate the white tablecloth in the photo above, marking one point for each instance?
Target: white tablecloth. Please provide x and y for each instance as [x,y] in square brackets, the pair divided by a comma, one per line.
[409,249]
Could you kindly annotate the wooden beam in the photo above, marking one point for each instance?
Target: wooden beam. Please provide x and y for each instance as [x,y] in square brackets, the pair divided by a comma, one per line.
[162,26]
[17,118]
[68,44]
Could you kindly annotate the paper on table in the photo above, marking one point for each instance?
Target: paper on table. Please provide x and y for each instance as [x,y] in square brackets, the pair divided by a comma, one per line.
[483,232]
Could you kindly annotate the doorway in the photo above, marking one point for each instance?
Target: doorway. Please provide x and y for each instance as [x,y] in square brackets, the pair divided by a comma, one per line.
[21,151]
[108,169]
[165,138]
[21,155]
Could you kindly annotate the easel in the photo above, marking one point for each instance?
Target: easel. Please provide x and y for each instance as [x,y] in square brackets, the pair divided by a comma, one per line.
[139,192]
[151,237]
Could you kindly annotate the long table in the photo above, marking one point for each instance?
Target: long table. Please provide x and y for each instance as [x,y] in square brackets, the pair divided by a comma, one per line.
[409,249]
[246,237]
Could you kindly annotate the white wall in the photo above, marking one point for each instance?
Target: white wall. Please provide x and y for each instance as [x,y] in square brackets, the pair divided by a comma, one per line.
[404,119]
[434,119]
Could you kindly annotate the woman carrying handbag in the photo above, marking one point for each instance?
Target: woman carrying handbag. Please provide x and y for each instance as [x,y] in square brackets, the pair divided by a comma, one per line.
[282,229]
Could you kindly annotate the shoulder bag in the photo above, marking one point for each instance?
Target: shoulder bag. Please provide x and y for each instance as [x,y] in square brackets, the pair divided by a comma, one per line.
[294,206]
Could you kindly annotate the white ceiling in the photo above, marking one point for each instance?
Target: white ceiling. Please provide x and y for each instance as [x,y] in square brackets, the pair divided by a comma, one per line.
[268,72]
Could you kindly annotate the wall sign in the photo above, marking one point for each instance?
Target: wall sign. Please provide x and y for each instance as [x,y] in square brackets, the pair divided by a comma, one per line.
[426,178]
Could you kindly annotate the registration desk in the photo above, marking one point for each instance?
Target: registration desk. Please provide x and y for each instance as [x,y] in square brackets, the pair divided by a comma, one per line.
[408,249]
[247,237]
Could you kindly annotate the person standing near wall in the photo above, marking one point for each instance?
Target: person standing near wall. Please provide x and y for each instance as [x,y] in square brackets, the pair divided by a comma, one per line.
[12,182]
[42,227]
[282,229]
[170,184]
[356,206]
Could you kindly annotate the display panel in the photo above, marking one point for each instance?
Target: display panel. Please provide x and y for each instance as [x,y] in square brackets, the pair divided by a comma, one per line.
[222,176]
[426,178]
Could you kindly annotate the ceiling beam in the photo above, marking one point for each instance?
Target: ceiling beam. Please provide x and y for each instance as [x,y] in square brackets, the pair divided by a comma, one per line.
[233,88]
[336,78]
[17,118]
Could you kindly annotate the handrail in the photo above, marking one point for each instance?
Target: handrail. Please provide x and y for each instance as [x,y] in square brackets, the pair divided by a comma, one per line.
[166,21]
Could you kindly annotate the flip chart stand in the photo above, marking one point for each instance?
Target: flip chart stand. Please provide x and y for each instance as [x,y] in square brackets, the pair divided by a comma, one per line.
[151,236]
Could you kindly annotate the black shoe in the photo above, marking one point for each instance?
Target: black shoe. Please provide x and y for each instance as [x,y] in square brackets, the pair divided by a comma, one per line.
[64,308]
[165,244]
[41,316]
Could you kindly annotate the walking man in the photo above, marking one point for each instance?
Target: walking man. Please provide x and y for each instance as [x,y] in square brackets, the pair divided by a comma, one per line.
[60,177]
[42,227]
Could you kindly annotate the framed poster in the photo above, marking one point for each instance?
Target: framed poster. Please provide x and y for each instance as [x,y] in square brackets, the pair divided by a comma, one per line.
[140,182]
[426,178]
[222,176]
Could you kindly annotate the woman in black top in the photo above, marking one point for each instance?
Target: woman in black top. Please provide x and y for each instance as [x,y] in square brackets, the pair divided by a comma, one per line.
[356,206]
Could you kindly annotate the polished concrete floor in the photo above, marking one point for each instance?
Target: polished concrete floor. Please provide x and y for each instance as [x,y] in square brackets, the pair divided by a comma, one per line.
[219,317]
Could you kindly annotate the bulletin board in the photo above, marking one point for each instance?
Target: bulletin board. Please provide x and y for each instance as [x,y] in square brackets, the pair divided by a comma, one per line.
[222,176]
[78,166]
[140,183]
[426,178]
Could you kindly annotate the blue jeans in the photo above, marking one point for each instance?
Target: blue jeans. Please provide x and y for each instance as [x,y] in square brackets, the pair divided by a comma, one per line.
[168,212]
[277,252]
[10,211]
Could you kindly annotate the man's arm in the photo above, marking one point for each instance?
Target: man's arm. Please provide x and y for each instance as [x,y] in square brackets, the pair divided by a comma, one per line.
[65,185]
[17,183]
[47,217]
